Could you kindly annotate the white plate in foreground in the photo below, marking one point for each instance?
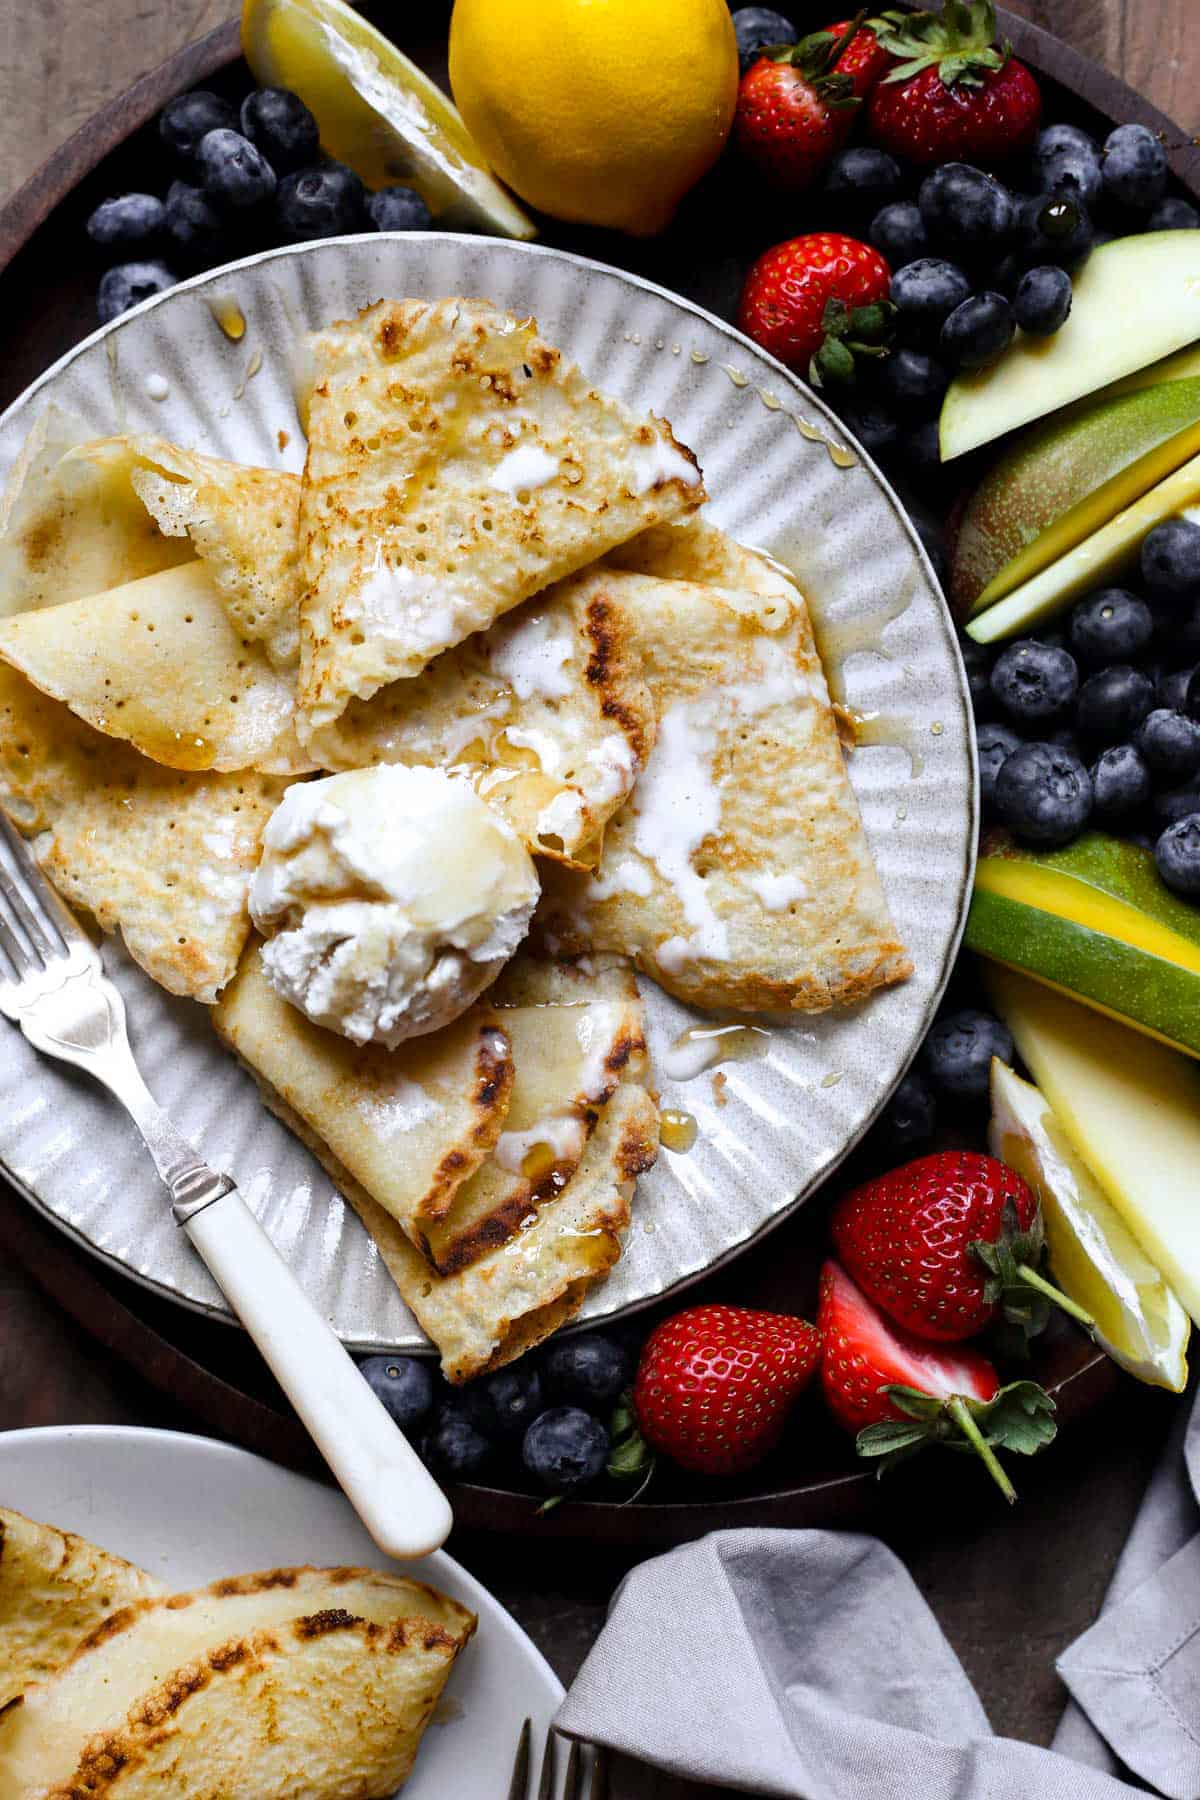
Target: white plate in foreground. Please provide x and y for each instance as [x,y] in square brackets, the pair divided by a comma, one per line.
[779,1124]
[190,1510]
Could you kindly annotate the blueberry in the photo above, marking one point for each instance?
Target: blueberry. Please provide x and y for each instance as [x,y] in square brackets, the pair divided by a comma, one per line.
[860,180]
[1170,559]
[958,1052]
[128,283]
[1034,682]
[454,1445]
[1004,277]
[898,233]
[325,202]
[399,209]
[505,1403]
[1177,854]
[1044,795]
[874,428]
[911,1113]
[912,383]
[966,210]
[757,28]
[1171,689]
[126,222]
[565,1449]
[996,743]
[1054,228]
[1067,161]
[977,332]
[183,122]
[197,231]
[1174,214]
[282,127]
[591,1370]
[1169,743]
[977,660]
[1134,167]
[1111,625]
[924,294]
[928,528]
[233,172]
[1113,702]
[404,1384]
[916,460]
[1120,783]
[1042,300]
[1169,805]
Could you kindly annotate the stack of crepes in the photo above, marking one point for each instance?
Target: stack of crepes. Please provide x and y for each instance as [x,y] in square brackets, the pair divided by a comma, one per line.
[289,1681]
[488,567]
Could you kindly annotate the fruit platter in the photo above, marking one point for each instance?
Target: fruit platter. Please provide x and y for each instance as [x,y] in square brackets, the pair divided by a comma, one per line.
[982,257]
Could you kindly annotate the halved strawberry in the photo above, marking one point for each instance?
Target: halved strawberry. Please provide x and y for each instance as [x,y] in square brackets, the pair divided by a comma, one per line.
[899,1394]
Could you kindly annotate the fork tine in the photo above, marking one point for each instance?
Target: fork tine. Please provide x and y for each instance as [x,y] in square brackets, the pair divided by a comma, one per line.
[546,1783]
[53,909]
[572,1785]
[14,950]
[519,1785]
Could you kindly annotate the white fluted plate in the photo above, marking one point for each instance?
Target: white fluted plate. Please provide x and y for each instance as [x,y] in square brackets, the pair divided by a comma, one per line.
[778,1124]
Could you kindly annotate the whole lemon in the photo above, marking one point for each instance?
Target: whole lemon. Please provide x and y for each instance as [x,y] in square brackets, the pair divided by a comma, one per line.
[600,111]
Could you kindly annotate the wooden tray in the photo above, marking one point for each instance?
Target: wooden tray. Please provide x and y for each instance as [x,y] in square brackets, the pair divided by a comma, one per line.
[47,290]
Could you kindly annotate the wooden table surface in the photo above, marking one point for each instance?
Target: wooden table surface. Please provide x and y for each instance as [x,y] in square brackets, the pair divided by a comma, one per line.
[1010,1589]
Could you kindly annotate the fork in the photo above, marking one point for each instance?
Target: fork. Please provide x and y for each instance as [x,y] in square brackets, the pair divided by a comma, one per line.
[572,1787]
[53,986]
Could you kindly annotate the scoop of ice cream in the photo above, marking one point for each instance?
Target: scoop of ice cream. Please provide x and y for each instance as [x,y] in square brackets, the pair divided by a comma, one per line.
[390,898]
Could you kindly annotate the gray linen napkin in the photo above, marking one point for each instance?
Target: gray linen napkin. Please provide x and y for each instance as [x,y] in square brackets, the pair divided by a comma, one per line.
[805,1664]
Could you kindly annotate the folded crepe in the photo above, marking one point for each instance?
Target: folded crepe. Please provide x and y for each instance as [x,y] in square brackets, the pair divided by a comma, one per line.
[158,662]
[313,1682]
[412,1124]
[738,874]
[547,710]
[575,1038]
[163,856]
[457,463]
[70,521]
[55,1588]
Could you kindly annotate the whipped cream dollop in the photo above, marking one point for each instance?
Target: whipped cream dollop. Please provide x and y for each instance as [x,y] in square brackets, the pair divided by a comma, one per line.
[390,898]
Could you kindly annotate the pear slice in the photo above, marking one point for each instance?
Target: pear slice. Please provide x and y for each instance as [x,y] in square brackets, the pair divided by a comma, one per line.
[1090,564]
[1135,300]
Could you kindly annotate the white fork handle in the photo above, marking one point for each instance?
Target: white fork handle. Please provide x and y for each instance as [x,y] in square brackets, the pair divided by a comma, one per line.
[383,1478]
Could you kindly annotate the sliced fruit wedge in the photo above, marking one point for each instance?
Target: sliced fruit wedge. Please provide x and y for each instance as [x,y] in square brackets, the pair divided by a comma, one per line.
[1181,365]
[1136,300]
[377,111]
[1091,563]
[1063,481]
[1131,1109]
[1094,1257]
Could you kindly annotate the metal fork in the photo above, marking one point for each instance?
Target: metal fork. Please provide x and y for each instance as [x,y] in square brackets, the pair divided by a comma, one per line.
[572,1787]
[53,986]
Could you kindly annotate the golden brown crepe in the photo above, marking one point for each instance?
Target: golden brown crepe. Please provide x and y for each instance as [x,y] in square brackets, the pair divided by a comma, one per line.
[313,1682]
[457,464]
[55,1589]
[738,874]
[162,856]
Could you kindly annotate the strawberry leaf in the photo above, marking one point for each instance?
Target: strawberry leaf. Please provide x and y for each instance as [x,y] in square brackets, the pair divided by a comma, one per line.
[1020,1418]
[958,42]
[630,1457]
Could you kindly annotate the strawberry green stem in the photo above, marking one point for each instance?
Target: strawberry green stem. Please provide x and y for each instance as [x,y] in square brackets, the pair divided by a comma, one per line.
[847,38]
[1031,1277]
[960,1412]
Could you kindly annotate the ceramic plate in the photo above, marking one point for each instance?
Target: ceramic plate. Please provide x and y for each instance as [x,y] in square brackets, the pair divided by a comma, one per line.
[781,478]
[191,1510]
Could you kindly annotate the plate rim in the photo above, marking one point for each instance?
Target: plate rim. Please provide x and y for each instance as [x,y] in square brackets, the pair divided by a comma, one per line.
[961,698]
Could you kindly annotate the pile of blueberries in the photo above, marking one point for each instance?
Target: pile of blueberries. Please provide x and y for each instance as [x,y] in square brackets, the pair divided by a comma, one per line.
[973,258]
[1100,723]
[951,1076]
[554,1415]
[246,181]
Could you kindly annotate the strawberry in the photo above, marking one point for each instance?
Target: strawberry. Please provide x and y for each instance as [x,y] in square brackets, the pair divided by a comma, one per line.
[794,109]
[947,1244]
[716,1383]
[956,96]
[900,1395]
[864,61]
[816,302]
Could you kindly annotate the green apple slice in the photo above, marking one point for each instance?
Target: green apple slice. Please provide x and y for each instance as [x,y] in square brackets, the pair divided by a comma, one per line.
[1064,480]
[1097,921]
[1091,563]
[1130,1107]
[1181,365]
[1094,1257]
[1135,300]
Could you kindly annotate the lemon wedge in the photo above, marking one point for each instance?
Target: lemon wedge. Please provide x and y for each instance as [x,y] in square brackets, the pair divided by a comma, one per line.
[377,111]
[1093,1255]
